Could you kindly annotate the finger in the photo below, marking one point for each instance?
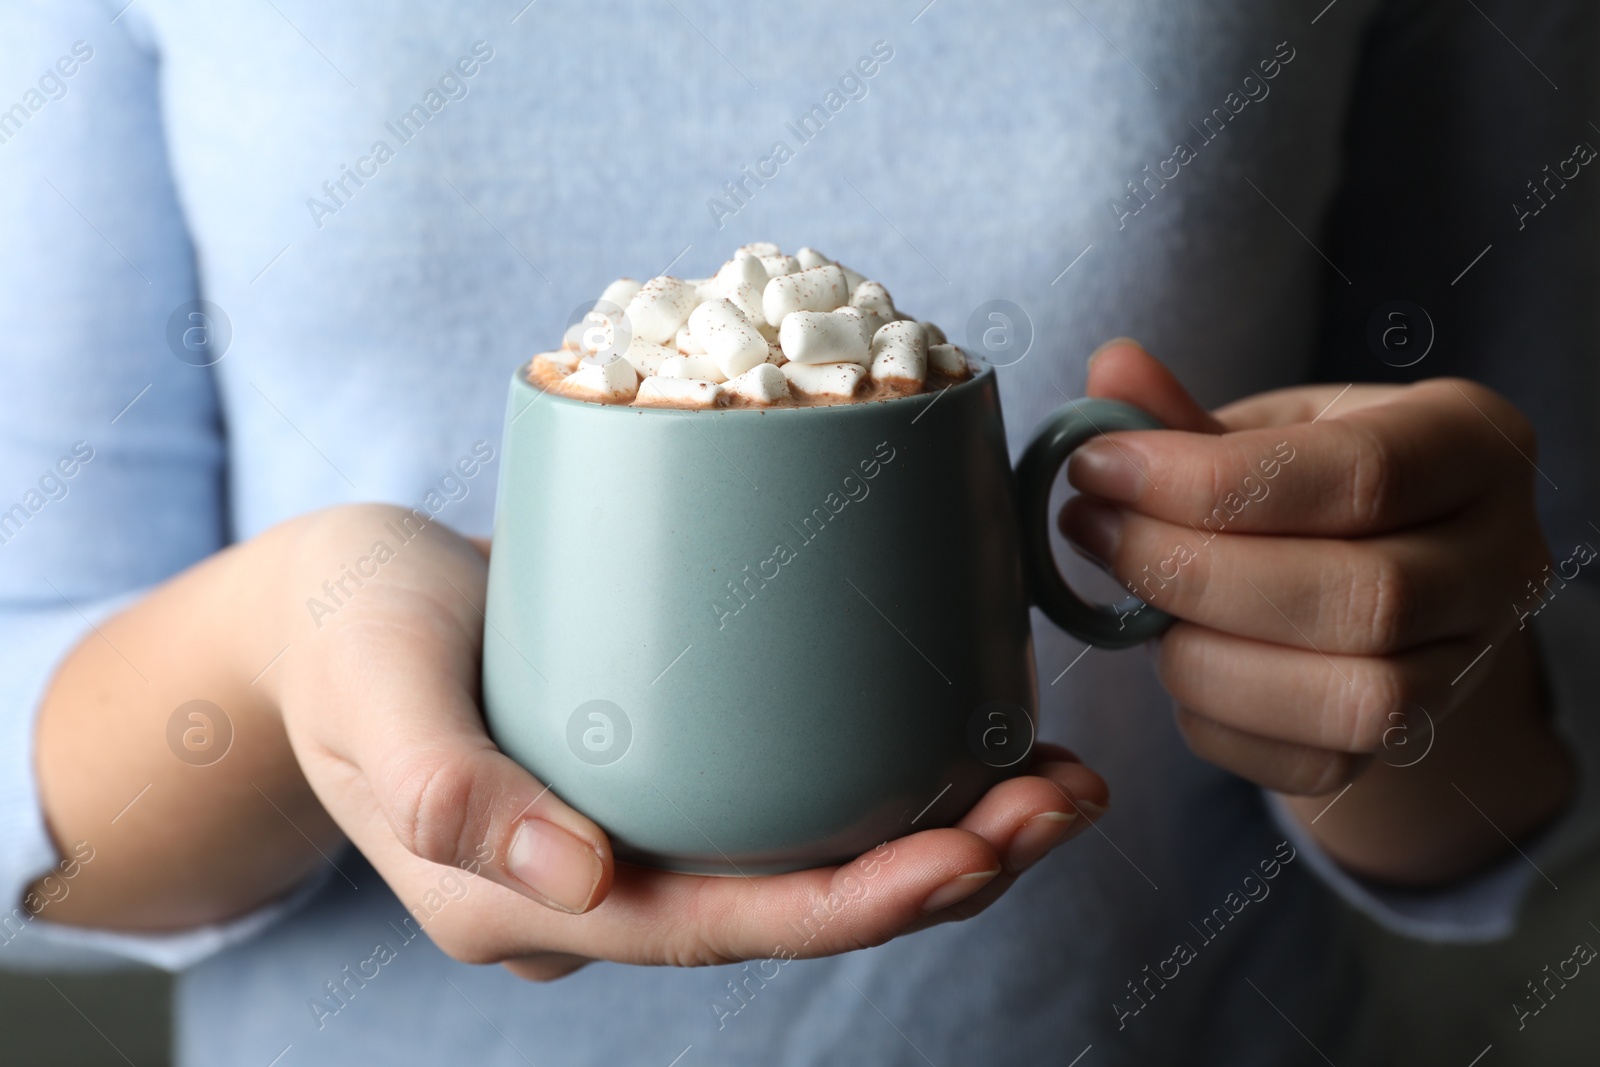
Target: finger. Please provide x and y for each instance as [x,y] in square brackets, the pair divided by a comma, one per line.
[801,915]
[1301,403]
[546,966]
[1345,703]
[1025,817]
[413,733]
[658,917]
[1122,370]
[1429,451]
[1286,768]
[1370,596]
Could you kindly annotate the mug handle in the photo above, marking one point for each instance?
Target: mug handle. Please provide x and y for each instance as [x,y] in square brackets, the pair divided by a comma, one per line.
[1121,625]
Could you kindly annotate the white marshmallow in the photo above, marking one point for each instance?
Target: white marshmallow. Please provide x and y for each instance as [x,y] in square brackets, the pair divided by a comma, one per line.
[935,335]
[823,337]
[870,320]
[746,297]
[599,330]
[646,357]
[701,368]
[612,379]
[810,257]
[618,293]
[743,267]
[659,392]
[852,279]
[657,310]
[573,338]
[775,355]
[900,354]
[948,359]
[824,379]
[761,384]
[760,248]
[818,289]
[779,265]
[685,341]
[873,296]
[722,330]
[550,367]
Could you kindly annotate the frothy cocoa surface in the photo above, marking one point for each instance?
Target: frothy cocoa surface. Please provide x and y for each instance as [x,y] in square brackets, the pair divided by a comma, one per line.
[767,330]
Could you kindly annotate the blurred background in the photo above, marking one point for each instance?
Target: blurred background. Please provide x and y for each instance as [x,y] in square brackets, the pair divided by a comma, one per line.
[1449,1005]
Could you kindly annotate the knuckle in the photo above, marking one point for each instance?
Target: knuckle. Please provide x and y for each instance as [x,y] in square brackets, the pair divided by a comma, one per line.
[1383,605]
[1378,694]
[433,808]
[1372,478]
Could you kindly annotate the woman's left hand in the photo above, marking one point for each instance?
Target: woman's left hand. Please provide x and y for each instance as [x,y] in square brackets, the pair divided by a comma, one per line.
[1346,565]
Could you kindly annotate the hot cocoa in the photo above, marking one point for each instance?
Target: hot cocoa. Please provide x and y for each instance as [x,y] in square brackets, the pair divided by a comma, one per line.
[767,330]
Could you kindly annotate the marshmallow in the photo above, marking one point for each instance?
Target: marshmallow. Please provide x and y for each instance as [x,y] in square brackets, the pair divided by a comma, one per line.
[617,294]
[779,265]
[870,320]
[775,355]
[659,392]
[935,335]
[659,307]
[548,368]
[722,330]
[824,379]
[900,354]
[948,359]
[565,358]
[823,337]
[646,357]
[599,329]
[761,384]
[743,267]
[852,279]
[810,257]
[685,341]
[874,297]
[610,379]
[760,248]
[702,368]
[747,298]
[573,338]
[818,289]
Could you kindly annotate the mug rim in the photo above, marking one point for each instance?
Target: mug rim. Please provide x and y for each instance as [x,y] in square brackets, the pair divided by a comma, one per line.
[519,377]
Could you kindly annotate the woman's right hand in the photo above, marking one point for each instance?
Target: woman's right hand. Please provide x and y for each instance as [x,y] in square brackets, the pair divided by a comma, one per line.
[377,699]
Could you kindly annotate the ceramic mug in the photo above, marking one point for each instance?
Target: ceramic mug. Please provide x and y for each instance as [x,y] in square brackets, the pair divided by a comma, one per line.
[750,641]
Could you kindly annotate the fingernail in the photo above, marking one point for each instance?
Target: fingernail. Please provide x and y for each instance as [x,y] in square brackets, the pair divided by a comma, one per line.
[554,864]
[1094,530]
[1107,470]
[1038,835]
[958,888]
[1094,811]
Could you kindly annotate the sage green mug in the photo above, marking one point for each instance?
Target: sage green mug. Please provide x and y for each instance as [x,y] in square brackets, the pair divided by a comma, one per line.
[752,641]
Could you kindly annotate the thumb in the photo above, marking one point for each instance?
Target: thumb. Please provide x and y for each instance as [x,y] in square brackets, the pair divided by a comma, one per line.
[446,794]
[1122,370]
